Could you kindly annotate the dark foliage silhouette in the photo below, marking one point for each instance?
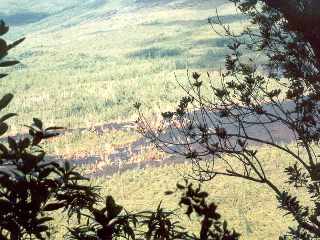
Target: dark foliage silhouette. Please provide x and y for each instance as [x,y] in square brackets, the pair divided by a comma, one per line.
[271,78]
[113,221]
[195,200]
[30,185]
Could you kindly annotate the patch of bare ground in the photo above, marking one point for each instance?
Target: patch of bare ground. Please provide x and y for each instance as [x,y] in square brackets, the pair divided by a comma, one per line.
[140,153]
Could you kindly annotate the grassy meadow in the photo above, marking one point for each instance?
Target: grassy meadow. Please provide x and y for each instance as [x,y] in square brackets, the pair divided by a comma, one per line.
[85,63]
[248,207]
[94,70]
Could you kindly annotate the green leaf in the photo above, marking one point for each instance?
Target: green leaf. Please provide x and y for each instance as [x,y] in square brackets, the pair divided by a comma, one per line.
[5,171]
[77,176]
[8,63]
[12,143]
[2,75]
[110,202]
[113,209]
[49,163]
[3,28]
[7,116]
[225,225]
[46,172]
[37,138]
[202,195]
[44,219]
[3,149]
[189,211]
[25,143]
[14,44]
[54,128]
[179,186]
[29,162]
[38,123]
[50,135]
[3,128]
[67,166]
[168,192]
[3,48]
[5,100]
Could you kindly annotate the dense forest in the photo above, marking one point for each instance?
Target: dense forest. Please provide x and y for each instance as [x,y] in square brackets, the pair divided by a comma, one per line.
[159,119]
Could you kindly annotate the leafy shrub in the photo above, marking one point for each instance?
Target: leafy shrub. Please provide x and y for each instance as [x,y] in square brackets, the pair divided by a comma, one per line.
[113,221]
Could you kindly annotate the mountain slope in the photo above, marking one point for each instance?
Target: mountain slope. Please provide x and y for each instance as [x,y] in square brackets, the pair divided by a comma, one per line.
[48,13]
[87,62]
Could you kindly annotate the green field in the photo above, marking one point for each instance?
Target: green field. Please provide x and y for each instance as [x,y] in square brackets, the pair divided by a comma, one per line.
[85,63]
[91,68]
[248,207]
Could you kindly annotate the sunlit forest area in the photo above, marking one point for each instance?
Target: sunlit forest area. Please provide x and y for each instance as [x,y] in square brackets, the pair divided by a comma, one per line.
[159,119]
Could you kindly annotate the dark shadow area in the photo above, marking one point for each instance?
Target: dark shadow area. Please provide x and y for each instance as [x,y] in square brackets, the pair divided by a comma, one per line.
[151,3]
[23,18]
[219,42]
[212,59]
[274,132]
[97,3]
[119,158]
[156,52]
[225,19]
